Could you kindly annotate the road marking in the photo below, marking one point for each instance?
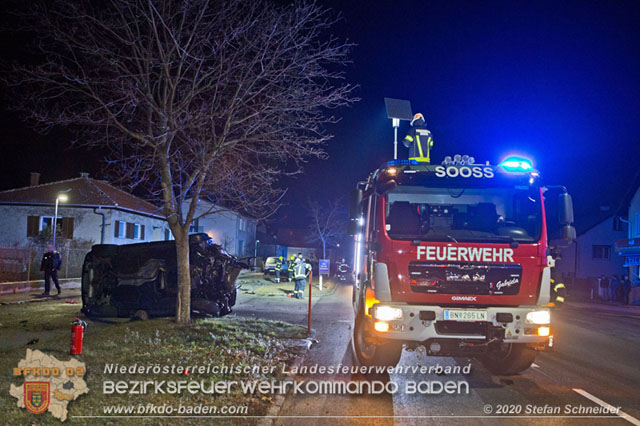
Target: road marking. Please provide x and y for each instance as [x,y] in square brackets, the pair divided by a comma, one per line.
[609,407]
[534,365]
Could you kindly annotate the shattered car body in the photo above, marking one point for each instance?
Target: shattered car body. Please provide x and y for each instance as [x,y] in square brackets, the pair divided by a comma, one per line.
[119,280]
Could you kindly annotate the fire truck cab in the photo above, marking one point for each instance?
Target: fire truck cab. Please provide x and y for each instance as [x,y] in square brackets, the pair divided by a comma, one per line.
[453,258]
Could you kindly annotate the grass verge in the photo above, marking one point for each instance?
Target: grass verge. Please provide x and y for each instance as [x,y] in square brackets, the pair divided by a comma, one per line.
[228,341]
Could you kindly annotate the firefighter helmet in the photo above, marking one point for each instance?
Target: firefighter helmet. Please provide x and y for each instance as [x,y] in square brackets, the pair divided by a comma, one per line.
[417,117]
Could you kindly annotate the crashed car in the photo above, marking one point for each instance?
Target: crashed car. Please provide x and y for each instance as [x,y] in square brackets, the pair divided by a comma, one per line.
[122,280]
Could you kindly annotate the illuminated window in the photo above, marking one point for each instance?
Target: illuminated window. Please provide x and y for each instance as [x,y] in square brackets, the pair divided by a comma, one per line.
[47,222]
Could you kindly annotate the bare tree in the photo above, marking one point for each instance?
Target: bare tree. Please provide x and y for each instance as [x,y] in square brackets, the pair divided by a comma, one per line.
[328,222]
[193,99]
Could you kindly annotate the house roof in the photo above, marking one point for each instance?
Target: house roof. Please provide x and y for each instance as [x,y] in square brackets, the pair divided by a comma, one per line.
[81,192]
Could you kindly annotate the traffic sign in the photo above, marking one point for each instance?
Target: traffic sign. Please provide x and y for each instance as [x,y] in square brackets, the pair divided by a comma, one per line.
[324,266]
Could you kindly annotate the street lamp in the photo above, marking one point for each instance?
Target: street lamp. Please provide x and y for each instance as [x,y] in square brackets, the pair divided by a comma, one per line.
[61,197]
[255,255]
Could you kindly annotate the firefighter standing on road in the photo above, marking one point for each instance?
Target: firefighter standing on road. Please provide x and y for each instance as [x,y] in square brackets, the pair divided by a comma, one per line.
[290,267]
[50,265]
[419,140]
[301,269]
[278,268]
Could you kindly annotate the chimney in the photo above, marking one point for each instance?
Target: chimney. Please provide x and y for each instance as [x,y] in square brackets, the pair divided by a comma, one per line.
[35,179]
[84,174]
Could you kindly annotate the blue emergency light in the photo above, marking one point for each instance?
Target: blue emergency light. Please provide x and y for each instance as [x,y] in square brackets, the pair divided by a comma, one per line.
[516,164]
[403,163]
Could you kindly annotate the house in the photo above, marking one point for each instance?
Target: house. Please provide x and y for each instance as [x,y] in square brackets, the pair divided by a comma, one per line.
[235,232]
[628,246]
[93,211]
[593,254]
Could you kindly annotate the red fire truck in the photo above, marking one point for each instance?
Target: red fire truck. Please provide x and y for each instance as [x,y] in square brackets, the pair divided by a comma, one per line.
[454,259]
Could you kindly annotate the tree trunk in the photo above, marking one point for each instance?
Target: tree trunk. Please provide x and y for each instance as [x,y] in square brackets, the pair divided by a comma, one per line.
[183,308]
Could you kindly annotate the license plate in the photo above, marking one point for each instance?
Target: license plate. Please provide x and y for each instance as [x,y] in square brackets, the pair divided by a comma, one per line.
[465,315]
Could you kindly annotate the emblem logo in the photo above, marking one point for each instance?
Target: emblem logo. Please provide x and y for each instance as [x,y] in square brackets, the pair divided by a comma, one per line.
[36,396]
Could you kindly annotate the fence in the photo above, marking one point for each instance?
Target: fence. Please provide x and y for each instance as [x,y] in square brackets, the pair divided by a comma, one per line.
[23,264]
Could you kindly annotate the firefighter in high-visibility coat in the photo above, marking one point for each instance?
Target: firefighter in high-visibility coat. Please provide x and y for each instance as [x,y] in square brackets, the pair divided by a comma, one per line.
[278,268]
[290,266]
[301,270]
[419,140]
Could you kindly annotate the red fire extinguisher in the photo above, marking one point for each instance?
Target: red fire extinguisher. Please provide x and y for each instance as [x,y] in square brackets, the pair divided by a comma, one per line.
[77,333]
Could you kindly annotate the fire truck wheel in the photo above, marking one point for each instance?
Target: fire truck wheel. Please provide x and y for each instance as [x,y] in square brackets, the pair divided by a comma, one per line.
[371,354]
[513,358]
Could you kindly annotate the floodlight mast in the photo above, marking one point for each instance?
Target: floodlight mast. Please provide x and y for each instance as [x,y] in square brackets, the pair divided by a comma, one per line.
[396,124]
[397,109]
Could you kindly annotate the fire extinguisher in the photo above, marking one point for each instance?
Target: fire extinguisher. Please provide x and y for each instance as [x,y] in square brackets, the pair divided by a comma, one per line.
[77,333]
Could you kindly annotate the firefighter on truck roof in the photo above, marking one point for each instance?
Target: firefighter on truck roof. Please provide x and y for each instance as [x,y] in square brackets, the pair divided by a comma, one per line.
[419,140]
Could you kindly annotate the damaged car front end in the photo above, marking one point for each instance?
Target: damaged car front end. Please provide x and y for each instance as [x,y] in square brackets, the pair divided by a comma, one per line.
[120,280]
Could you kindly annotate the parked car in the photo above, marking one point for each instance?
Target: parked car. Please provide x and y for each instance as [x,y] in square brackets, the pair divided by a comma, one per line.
[269,265]
[270,269]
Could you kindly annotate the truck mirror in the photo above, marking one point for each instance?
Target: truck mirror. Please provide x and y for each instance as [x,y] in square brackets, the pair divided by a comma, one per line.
[569,233]
[355,201]
[353,228]
[565,210]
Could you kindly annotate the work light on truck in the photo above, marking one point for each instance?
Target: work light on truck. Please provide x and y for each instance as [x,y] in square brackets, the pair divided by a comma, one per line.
[539,317]
[388,313]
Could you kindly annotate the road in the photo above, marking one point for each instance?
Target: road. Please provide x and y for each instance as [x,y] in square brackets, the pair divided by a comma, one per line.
[595,358]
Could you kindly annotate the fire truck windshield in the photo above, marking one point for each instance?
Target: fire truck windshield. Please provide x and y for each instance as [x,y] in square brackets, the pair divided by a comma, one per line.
[493,214]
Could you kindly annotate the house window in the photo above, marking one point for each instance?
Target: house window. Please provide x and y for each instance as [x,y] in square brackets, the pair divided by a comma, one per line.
[168,235]
[193,228]
[138,231]
[637,234]
[47,222]
[240,250]
[241,224]
[601,252]
[131,231]
[120,229]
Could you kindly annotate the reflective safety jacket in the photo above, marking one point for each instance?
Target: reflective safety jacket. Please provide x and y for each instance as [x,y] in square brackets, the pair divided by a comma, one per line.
[278,264]
[419,141]
[301,269]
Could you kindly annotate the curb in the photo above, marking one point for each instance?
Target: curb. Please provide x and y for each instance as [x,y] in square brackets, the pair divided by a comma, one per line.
[275,409]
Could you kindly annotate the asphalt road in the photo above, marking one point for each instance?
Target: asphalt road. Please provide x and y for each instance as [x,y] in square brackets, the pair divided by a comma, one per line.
[595,362]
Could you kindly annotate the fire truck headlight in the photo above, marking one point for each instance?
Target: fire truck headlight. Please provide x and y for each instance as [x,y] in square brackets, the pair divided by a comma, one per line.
[382,327]
[543,331]
[539,317]
[388,313]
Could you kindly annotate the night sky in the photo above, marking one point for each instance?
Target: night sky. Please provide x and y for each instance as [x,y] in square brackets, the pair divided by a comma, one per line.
[557,81]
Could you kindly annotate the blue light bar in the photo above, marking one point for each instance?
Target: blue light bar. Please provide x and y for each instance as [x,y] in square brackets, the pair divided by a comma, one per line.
[403,163]
[516,164]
